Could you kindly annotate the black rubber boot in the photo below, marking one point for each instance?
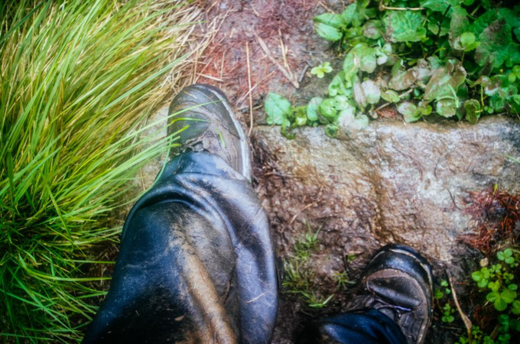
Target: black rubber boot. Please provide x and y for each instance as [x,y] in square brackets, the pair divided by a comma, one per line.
[398,282]
[196,262]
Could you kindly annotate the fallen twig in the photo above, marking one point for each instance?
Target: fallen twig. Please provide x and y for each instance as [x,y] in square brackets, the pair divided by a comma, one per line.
[250,93]
[276,63]
[465,319]
[302,210]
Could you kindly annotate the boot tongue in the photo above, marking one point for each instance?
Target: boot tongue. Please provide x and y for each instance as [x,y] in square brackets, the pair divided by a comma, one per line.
[395,289]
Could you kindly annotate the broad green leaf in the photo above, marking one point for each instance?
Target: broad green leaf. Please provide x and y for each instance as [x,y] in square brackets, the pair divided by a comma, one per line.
[511,18]
[459,24]
[346,118]
[438,294]
[328,32]
[404,26]
[342,103]
[448,318]
[445,81]
[497,102]
[332,130]
[508,295]
[355,14]
[359,95]
[390,96]
[472,46]
[277,108]
[462,43]
[434,62]
[349,122]
[381,56]
[439,5]
[351,68]
[373,29]
[494,286]
[387,48]
[350,14]
[330,19]
[516,307]
[425,110]
[446,107]
[467,38]
[434,28]
[486,272]
[493,296]
[328,26]
[286,129]
[312,109]
[372,91]
[483,21]
[360,122]
[409,111]
[327,109]
[367,57]
[500,305]
[491,85]
[300,116]
[496,44]
[403,79]
[483,283]
[472,108]
[423,71]
[465,42]
[337,85]
[514,103]
[477,276]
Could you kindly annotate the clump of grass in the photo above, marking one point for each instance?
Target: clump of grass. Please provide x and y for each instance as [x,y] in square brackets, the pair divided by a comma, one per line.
[299,273]
[78,80]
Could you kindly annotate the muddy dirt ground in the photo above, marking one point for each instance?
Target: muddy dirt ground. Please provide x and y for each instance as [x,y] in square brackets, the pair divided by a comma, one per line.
[266,45]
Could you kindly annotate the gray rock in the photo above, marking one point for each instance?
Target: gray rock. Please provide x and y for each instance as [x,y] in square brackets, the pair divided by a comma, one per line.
[392,182]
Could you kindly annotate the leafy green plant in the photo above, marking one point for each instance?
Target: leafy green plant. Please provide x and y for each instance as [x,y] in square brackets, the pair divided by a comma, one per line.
[445,290]
[77,85]
[497,282]
[443,58]
[321,70]
[498,279]
[502,334]
[447,310]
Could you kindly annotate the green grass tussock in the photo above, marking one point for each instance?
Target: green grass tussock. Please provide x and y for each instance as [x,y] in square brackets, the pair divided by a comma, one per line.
[78,80]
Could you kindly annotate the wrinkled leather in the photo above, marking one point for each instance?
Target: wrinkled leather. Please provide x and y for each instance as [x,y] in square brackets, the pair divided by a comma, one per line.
[196,263]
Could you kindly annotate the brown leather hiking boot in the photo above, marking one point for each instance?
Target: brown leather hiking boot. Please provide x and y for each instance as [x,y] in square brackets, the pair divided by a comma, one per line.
[205,122]
[398,282]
